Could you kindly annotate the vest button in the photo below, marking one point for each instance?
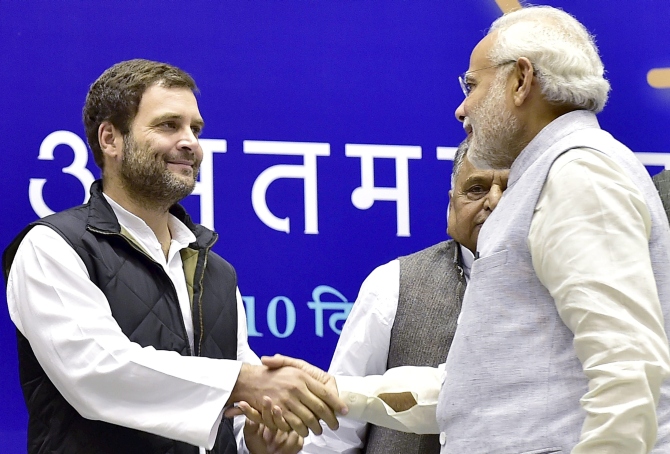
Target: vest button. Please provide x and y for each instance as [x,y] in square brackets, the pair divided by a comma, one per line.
[443,438]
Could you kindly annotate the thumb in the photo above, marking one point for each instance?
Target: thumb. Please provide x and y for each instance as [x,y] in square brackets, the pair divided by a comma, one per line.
[277,361]
[231,412]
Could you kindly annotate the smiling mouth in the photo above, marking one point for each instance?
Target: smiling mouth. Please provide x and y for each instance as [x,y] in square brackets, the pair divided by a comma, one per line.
[181,167]
[181,163]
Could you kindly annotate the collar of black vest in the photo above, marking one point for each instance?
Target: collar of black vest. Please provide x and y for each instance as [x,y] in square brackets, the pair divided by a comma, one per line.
[101,217]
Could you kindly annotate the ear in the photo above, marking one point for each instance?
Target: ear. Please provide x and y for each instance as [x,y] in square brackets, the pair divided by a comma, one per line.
[110,140]
[524,75]
[450,210]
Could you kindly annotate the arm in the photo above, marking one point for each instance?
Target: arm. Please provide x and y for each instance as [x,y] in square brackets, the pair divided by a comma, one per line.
[403,398]
[247,355]
[98,370]
[589,241]
[106,377]
[362,349]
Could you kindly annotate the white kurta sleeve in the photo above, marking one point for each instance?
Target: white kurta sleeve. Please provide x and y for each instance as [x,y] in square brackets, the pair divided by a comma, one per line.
[98,370]
[246,355]
[361,350]
[589,241]
[361,395]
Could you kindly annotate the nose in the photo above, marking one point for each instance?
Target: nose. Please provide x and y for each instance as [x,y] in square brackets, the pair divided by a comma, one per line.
[493,197]
[460,112]
[188,140]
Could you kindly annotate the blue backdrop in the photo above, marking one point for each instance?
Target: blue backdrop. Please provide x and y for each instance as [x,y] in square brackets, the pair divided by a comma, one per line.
[305,102]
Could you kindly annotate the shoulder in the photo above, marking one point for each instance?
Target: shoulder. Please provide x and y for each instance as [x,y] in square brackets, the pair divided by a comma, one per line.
[443,247]
[445,250]
[581,169]
[220,265]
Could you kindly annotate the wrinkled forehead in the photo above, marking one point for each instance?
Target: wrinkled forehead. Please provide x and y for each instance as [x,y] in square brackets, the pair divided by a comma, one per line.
[470,174]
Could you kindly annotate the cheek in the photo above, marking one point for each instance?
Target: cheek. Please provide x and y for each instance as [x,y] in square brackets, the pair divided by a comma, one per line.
[198,153]
[465,217]
[471,214]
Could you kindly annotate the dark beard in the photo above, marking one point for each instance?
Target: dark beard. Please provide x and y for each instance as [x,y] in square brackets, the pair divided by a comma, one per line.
[148,181]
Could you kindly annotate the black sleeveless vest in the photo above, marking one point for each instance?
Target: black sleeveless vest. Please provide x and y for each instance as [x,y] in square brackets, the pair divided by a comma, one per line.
[149,315]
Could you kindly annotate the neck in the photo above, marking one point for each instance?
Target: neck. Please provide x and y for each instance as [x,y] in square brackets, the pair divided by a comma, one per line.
[539,116]
[155,216]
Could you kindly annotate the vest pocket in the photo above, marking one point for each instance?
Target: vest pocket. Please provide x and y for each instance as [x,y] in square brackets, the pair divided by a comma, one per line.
[492,261]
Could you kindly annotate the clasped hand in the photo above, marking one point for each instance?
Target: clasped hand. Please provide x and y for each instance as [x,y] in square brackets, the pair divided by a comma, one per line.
[286,394]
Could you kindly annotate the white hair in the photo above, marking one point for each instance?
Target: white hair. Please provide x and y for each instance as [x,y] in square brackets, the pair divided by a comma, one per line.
[563,53]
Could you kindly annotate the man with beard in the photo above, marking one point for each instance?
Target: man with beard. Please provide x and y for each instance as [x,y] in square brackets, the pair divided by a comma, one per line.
[561,345]
[406,312]
[131,331]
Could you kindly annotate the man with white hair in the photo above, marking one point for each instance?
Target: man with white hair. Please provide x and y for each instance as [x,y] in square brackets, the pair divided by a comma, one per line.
[561,345]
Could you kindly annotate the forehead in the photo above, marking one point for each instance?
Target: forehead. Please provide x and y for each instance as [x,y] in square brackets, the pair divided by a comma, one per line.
[159,101]
[470,174]
[479,56]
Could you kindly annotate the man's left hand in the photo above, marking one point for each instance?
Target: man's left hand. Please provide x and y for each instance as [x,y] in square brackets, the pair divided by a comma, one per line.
[262,440]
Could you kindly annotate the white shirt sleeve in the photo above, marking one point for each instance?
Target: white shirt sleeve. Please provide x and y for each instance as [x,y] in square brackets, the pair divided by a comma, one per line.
[589,241]
[98,370]
[246,355]
[362,350]
[424,383]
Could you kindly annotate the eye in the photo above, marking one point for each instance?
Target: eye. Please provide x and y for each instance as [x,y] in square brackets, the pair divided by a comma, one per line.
[168,125]
[476,192]
[469,86]
[197,130]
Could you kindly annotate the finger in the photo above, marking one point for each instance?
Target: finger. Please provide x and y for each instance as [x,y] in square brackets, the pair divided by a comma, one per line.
[253,434]
[293,421]
[292,444]
[273,415]
[280,421]
[323,404]
[277,361]
[270,435]
[253,426]
[297,423]
[302,408]
[250,412]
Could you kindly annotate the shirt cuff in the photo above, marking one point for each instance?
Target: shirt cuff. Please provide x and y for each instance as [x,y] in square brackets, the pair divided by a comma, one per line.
[424,383]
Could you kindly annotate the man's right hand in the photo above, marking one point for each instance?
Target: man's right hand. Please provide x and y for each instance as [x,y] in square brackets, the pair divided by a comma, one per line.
[302,399]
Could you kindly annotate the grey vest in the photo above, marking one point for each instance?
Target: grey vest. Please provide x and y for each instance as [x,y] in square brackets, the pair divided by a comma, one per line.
[513,379]
[431,292]
[662,182]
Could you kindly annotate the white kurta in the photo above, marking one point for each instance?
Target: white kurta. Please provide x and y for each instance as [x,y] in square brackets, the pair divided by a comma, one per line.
[603,306]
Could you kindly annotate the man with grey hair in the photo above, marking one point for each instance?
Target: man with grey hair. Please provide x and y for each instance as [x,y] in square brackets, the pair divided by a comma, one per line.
[561,345]
[406,312]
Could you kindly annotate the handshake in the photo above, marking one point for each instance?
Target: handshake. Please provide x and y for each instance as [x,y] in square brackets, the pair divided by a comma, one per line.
[285,398]
[282,400]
